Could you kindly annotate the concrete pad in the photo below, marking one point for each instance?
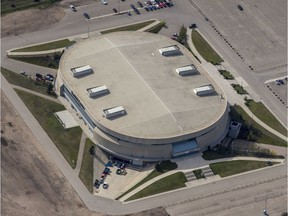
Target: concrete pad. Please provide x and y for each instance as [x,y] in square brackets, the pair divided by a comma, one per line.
[66,119]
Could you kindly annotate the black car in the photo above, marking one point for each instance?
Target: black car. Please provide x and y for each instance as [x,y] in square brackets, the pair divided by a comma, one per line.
[115,10]
[140,4]
[137,11]
[39,75]
[132,6]
[146,8]
[192,26]
[240,7]
[86,15]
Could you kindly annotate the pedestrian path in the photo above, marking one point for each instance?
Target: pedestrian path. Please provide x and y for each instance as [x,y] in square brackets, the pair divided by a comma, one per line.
[80,153]
[37,93]
[232,96]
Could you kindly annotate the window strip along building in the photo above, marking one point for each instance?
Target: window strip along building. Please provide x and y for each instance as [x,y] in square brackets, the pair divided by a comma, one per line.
[145,111]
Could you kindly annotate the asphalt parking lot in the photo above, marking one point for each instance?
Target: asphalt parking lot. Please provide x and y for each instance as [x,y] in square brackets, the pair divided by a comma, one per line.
[279,90]
[257,33]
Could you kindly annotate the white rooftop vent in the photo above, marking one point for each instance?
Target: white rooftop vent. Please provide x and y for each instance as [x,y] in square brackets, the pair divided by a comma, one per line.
[171,50]
[204,90]
[80,71]
[96,91]
[113,112]
[186,70]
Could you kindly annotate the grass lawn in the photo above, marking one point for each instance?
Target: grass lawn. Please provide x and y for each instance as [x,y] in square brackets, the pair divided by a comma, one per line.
[41,61]
[266,116]
[239,89]
[8,6]
[226,74]
[47,46]
[164,166]
[133,27]
[155,29]
[249,125]
[204,49]
[172,182]
[25,82]
[198,173]
[86,171]
[66,140]
[229,168]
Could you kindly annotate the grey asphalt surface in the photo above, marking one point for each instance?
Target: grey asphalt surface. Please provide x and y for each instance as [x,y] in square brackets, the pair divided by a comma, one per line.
[174,20]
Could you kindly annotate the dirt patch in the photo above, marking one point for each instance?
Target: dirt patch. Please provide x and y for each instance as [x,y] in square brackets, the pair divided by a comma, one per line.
[35,19]
[31,183]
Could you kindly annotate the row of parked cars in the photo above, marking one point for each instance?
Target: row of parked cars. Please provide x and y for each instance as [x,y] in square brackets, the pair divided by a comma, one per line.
[120,171]
[47,77]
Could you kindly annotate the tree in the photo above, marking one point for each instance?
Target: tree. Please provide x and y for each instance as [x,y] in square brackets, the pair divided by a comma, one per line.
[49,88]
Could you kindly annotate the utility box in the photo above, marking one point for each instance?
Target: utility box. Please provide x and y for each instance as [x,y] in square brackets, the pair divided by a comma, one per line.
[81,71]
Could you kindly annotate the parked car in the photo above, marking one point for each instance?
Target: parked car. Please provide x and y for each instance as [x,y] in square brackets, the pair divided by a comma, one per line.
[281,82]
[115,10]
[105,2]
[132,6]
[105,185]
[136,11]
[86,15]
[175,35]
[192,26]
[277,82]
[39,75]
[240,7]
[97,183]
[72,8]
[140,4]
[146,8]
[129,13]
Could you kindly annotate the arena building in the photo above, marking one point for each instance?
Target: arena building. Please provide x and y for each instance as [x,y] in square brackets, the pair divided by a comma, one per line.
[143,96]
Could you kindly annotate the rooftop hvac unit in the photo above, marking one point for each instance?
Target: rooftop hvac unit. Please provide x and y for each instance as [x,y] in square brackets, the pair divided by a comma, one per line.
[113,112]
[81,71]
[204,90]
[186,70]
[169,51]
[96,91]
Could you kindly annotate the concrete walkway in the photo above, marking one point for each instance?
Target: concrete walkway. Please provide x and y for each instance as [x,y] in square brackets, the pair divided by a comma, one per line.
[193,163]
[232,96]
[80,153]
[36,93]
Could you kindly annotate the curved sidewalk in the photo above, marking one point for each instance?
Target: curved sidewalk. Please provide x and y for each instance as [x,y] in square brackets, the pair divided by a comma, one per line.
[232,95]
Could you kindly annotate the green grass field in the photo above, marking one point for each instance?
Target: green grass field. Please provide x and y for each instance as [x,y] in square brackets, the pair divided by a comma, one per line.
[133,27]
[163,167]
[172,182]
[41,61]
[8,6]
[266,116]
[66,140]
[204,49]
[229,168]
[47,46]
[253,131]
[86,171]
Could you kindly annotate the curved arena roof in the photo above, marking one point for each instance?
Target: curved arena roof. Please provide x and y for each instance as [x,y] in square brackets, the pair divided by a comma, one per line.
[159,103]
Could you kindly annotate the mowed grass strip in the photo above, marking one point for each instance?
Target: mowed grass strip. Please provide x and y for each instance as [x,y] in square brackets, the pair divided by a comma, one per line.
[155,29]
[25,82]
[8,6]
[40,61]
[172,182]
[86,171]
[162,167]
[47,46]
[66,140]
[259,110]
[133,27]
[204,49]
[229,168]
[265,136]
